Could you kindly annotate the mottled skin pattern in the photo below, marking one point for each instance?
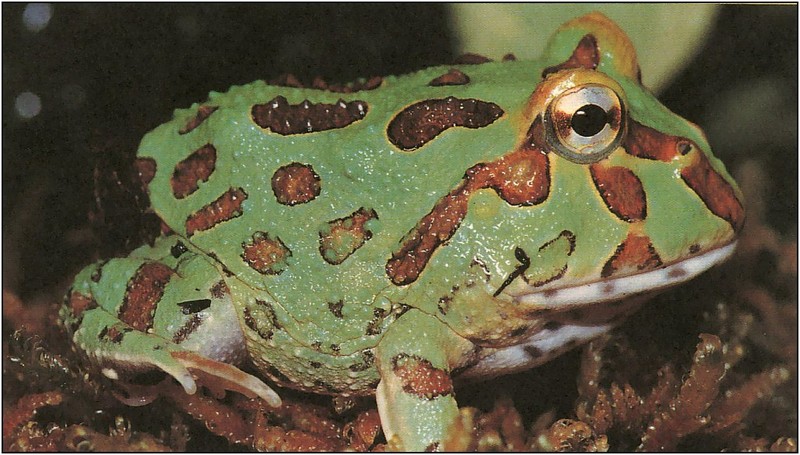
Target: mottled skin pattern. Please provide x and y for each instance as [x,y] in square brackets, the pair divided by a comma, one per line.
[382,236]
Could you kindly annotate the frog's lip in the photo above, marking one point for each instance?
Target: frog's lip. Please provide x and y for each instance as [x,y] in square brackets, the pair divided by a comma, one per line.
[626,286]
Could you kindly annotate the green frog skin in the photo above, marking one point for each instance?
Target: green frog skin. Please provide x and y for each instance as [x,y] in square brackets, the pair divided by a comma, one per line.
[388,237]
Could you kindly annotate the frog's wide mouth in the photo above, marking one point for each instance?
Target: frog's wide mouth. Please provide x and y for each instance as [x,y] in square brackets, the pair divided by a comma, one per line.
[629,285]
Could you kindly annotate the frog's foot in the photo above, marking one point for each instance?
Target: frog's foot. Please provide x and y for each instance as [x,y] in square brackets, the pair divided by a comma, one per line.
[415,396]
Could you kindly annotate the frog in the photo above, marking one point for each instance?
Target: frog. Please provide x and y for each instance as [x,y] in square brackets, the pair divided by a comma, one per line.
[400,235]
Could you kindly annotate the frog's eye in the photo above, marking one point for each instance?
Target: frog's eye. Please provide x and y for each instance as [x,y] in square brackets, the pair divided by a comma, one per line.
[585,124]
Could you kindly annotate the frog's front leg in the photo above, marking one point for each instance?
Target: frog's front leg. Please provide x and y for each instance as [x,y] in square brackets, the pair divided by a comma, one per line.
[415,396]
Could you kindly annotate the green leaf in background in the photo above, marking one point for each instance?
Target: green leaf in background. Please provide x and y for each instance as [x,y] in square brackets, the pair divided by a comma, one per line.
[666,36]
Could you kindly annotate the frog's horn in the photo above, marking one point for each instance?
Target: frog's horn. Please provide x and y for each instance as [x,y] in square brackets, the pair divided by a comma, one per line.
[614,49]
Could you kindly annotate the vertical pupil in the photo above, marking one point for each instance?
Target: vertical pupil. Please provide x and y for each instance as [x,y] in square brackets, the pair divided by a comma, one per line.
[589,120]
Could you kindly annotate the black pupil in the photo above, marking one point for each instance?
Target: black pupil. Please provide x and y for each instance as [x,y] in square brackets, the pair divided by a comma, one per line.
[589,120]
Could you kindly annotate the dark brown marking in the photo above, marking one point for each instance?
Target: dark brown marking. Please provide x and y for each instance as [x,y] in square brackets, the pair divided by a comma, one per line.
[432,447]
[336,308]
[644,142]
[219,290]
[471,59]
[509,57]
[715,192]
[552,325]
[314,364]
[420,378]
[676,272]
[283,118]
[634,254]
[621,190]
[521,178]
[444,304]
[78,303]
[187,329]
[142,295]
[224,208]
[251,322]
[418,124]
[145,169]
[368,360]
[192,170]
[524,263]
[452,77]
[343,236]
[112,334]
[203,112]
[335,348]
[586,55]
[694,248]
[295,183]
[373,327]
[532,351]
[273,318]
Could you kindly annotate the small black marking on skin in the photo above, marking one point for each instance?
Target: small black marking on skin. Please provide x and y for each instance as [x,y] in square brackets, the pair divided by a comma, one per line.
[694,249]
[103,333]
[187,329]
[552,325]
[532,351]
[373,328]
[524,261]
[273,318]
[97,274]
[432,447]
[518,332]
[250,322]
[315,364]
[225,269]
[194,306]
[336,308]
[178,249]
[317,345]
[487,275]
[335,348]
[444,304]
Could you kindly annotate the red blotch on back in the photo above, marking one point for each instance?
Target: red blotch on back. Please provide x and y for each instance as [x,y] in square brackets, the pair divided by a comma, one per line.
[420,378]
[621,190]
[283,118]
[295,183]
[586,55]
[143,293]
[265,254]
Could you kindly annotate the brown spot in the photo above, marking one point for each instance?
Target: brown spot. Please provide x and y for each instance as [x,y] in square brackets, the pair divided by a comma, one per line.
[195,168]
[78,303]
[586,55]
[314,364]
[295,183]
[633,255]
[694,248]
[145,169]
[344,236]
[219,290]
[251,322]
[717,194]
[452,77]
[432,447]
[419,123]
[509,57]
[265,254]
[444,304]
[283,118]
[553,325]
[112,334]
[373,327]
[336,308]
[224,208]
[187,329]
[203,112]
[368,360]
[356,86]
[533,352]
[621,190]
[419,377]
[676,272]
[143,293]
[644,142]
[471,59]
[521,178]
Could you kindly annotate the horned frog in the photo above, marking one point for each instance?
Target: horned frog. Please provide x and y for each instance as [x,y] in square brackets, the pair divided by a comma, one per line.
[464,221]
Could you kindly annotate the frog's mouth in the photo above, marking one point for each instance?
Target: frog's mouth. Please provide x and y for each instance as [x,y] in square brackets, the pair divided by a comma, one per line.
[630,285]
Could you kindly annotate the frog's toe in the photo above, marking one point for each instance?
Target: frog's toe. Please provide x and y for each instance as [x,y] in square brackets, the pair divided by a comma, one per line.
[219,376]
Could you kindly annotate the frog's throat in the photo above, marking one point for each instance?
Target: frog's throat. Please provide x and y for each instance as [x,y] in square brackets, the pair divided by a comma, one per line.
[626,286]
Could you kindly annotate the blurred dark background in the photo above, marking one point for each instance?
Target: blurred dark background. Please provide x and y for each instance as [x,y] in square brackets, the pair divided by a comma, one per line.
[104,75]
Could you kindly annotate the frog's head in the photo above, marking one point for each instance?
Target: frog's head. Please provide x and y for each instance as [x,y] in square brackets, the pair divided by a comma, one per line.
[640,201]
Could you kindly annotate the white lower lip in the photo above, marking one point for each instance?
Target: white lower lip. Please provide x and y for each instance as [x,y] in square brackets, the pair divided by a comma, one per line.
[619,288]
